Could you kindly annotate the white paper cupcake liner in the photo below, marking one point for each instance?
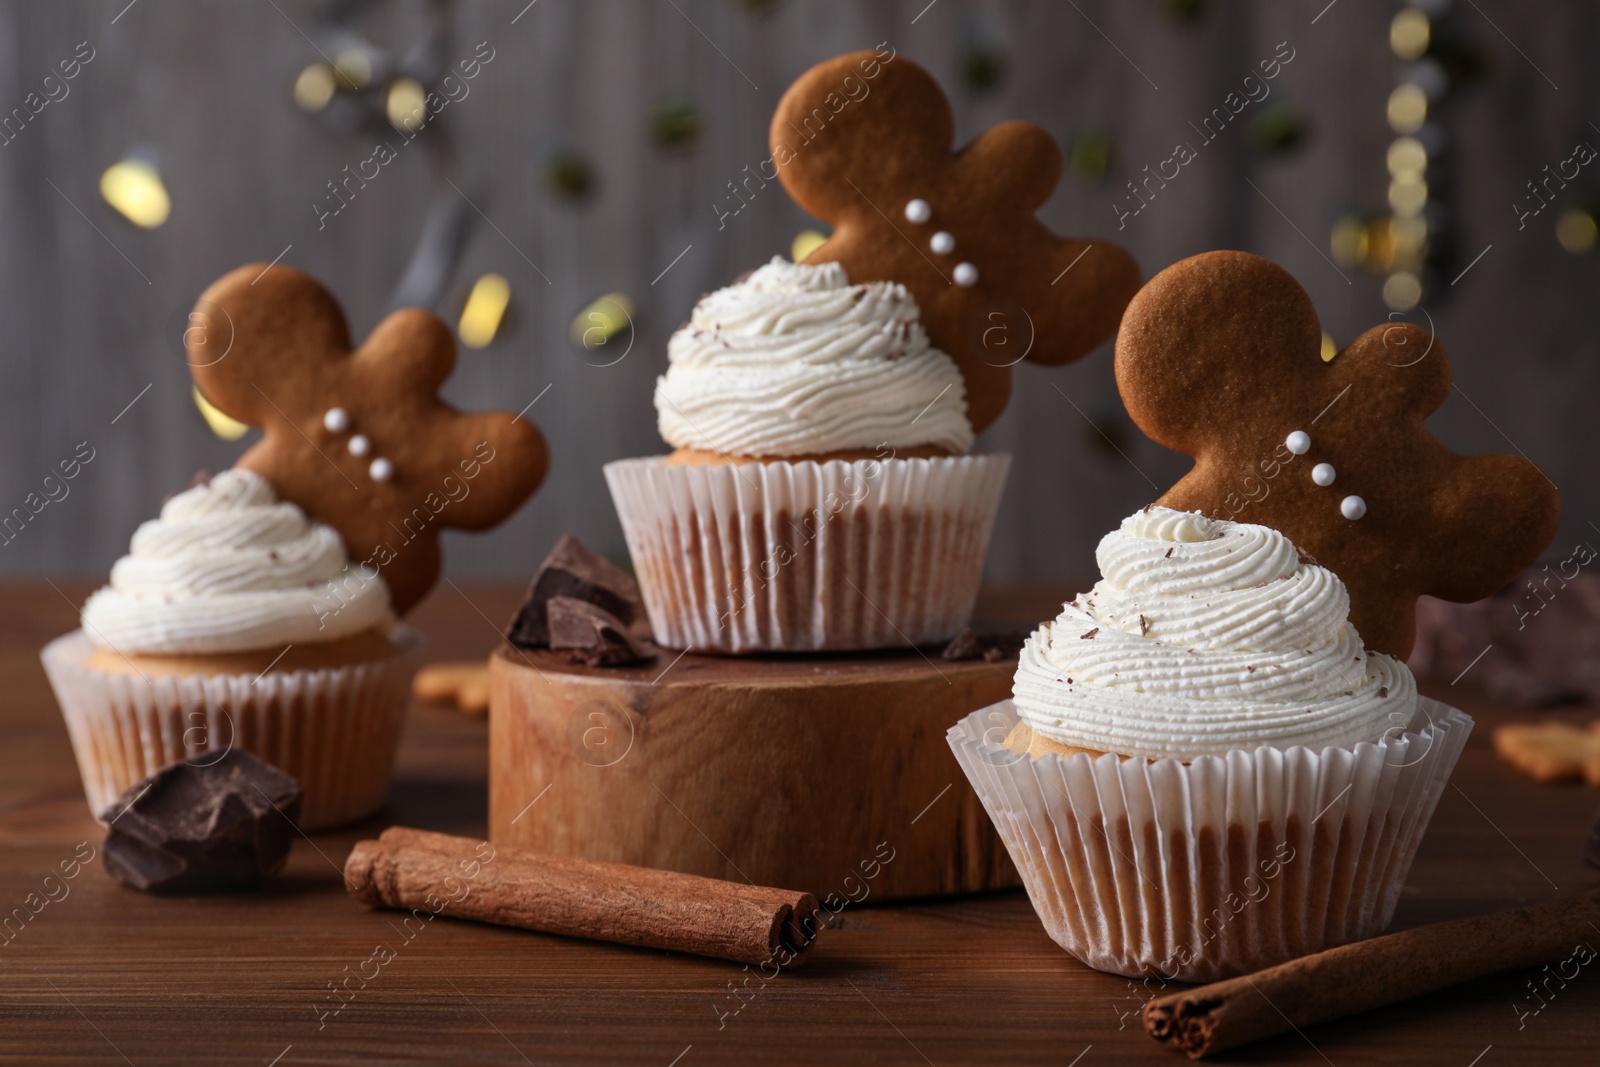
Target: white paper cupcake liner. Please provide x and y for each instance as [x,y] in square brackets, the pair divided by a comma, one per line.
[808,556]
[334,729]
[1219,867]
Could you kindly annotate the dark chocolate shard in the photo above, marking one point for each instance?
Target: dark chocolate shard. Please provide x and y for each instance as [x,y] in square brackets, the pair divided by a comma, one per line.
[590,634]
[214,824]
[574,571]
[991,645]
[201,477]
[1591,847]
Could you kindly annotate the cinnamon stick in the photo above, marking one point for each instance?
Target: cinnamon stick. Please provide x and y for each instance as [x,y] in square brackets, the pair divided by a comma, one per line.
[1371,974]
[467,879]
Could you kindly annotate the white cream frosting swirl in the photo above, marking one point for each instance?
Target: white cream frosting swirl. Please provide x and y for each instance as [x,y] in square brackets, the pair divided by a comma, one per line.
[1205,636]
[229,568]
[794,361]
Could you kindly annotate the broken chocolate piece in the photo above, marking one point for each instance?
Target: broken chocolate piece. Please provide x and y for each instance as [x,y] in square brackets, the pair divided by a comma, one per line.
[992,645]
[203,826]
[590,634]
[1591,847]
[201,477]
[574,571]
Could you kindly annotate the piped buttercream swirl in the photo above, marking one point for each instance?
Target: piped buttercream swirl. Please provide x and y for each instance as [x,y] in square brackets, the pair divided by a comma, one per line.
[796,361]
[228,567]
[1204,636]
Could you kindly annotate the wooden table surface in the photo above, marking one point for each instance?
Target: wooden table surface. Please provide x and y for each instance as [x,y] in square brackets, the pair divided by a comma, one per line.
[107,975]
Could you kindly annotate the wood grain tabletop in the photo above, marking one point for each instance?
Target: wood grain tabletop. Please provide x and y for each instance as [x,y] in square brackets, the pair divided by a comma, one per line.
[103,974]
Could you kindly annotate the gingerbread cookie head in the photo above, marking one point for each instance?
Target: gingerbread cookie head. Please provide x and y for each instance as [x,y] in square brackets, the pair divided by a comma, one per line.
[1219,356]
[863,141]
[359,439]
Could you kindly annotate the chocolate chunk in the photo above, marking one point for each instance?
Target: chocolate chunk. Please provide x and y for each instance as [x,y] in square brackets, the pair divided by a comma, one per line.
[590,634]
[201,477]
[991,645]
[1591,847]
[198,827]
[572,570]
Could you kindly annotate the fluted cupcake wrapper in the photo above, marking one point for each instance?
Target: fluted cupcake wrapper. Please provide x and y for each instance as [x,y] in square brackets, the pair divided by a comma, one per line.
[334,729]
[808,556]
[1221,866]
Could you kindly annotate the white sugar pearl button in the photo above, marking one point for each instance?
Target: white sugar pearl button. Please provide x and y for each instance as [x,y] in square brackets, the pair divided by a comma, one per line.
[918,211]
[1323,474]
[359,445]
[381,470]
[943,242]
[337,420]
[1352,507]
[1298,442]
[966,274]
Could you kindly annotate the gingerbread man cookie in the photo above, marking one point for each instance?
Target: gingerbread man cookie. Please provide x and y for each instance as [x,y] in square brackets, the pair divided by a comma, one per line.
[864,142]
[359,439]
[1219,356]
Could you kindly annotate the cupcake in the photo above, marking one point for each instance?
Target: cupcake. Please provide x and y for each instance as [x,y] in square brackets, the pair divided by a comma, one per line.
[234,620]
[1202,771]
[819,495]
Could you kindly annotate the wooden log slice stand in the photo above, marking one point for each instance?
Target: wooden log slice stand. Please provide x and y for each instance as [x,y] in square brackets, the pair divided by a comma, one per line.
[798,772]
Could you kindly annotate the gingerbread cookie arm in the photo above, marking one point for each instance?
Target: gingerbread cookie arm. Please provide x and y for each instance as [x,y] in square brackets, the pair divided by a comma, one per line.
[1015,161]
[1507,504]
[411,345]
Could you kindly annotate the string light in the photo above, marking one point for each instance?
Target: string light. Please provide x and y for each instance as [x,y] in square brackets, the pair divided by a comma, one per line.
[1577,231]
[805,243]
[135,189]
[404,104]
[1405,245]
[484,311]
[314,87]
[601,322]
[353,67]
[1409,34]
[224,426]
[1408,108]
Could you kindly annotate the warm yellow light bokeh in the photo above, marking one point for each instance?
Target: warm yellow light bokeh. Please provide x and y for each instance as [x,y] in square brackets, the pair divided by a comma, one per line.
[224,426]
[1408,108]
[484,311]
[1576,230]
[135,189]
[805,243]
[404,104]
[1409,34]
[314,87]
[602,320]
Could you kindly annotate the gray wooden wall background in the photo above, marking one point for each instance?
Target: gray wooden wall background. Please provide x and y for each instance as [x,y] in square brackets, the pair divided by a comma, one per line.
[86,314]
